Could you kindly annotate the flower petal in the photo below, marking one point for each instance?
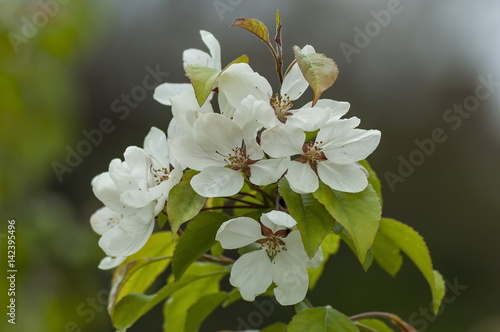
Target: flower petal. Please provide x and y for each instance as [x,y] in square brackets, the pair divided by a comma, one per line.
[196,57]
[283,141]
[104,219]
[165,91]
[140,163]
[186,110]
[107,192]
[294,83]
[238,232]
[343,177]
[217,134]
[290,278]
[156,145]
[108,262]
[217,181]
[214,47]
[119,171]
[268,171]
[239,81]
[252,274]
[354,146]
[337,108]
[277,220]
[308,119]
[302,178]
[189,153]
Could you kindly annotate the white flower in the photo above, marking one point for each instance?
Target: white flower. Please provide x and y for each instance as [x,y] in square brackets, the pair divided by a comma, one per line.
[191,56]
[148,174]
[281,258]
[219,149]
[332,156]
[133,192]
[123,229]
[239,82]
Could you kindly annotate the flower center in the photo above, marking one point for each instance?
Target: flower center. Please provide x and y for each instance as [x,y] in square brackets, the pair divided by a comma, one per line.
[237,159]
[313,152]
[160,174]
[274,245]
[281,106]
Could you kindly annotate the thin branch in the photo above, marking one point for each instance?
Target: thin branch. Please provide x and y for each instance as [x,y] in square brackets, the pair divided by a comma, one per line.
[243,201]
[231,207]
[221,260]
[364,327]
[395,320]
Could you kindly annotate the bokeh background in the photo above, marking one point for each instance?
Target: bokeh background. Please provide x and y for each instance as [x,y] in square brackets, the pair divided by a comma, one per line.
[77,65]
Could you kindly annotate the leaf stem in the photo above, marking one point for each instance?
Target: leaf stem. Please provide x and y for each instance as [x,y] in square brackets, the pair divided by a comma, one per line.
[364,327]
[395,320]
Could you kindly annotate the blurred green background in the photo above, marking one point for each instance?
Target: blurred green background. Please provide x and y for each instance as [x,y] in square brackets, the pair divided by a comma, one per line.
[66,65]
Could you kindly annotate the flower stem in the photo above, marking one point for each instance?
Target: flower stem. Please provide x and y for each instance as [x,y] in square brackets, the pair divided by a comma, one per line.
[221,260]
[395,320]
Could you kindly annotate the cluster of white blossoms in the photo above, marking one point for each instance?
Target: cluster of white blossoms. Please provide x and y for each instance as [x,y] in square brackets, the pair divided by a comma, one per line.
[256,137]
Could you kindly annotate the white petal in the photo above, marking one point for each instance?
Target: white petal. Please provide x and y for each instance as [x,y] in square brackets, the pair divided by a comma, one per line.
[225,107]
[119,171]
[138,198]
[104,219]
[217,134]
[214,47]
[291,279]
[354,146]
[268,171]
[343,177]
[308,119]
[277,220]
[332,133]
[283,141]
[186,110]
[196,57]
[156,145]
[108,263]
[165,91]
[238,232]
[120,242]
[308,49]
[252,274]
[189,153]
[176,130]
[337,108]
[217,181]
[239,81]
[295,248]
[140,163]
[107,192]
[302,178]
[294,83]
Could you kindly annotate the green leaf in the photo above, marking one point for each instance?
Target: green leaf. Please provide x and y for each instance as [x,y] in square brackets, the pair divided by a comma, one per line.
[201,309]
[133,306]
[330,246]
[387,254]
[369,254]
[313,220]
[358,213]
[322,319]
[376,324]
[183,202]
[254,26]
[161,219]
[197,239]
[319,71]
[217,250]
[276,327]
[373,179]
[414,246]
[141,269]
[176,309]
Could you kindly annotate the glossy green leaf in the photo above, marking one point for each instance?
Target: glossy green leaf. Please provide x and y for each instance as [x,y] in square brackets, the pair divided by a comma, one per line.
[141,269]
[330,246]
[182,306]
[319,71]
[322,319]
[387,254]
[376,324]
[414,246]
[201,309]
[358,213]
[313,220]
[197,239]
[369,254]
[133,306]
[254,26]
[276,327]
[183,202]
[373,179]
